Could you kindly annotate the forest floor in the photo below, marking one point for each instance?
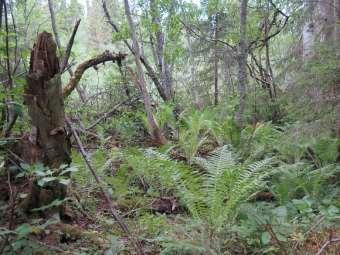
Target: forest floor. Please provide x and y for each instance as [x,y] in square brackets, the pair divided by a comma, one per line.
[88,228]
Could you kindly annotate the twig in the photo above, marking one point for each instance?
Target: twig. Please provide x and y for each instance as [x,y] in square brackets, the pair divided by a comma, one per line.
[69,47]
[208,39]
[12,198]
[315,225]
[108,114]
[52,247]
[326,244]
[88,133]
[270,230]
[113,211]
[10,80]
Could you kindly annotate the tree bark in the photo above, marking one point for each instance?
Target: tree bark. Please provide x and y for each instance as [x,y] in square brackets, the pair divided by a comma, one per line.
[43,97]
[242,64]
[154,130]
[319,25]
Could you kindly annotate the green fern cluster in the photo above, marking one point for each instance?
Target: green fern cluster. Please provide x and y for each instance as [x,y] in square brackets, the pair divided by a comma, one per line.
[228,183]
[214,195]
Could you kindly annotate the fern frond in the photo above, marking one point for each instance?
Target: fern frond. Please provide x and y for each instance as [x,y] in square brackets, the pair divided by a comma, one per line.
[219,160]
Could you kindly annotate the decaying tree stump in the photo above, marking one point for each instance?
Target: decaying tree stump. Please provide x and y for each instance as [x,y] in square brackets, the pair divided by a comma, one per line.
[44,100]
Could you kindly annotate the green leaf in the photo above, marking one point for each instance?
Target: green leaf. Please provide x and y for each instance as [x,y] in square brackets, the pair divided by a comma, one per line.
[23,230]
[45,180]
[265,238]
[65,181]
[54,203]
[71,169]
[281,211]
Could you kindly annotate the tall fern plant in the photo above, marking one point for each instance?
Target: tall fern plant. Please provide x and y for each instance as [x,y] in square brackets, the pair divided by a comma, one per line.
[227,182]
[213,196]
[195,129]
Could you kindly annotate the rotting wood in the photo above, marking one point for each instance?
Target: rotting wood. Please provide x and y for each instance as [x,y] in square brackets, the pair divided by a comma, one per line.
[43,97]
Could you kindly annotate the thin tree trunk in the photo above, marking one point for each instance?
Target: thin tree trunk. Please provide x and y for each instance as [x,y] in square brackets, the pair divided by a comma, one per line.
[337,48]
[155,131]
[54,25]
[308,31]
[162,65]
[2,2]
[80,91]
[242,64]
[150,71]
[228,80]
[191,61]
[216,61]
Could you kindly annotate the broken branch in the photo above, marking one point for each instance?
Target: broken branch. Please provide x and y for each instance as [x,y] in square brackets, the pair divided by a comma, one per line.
[69,47]
[81,68]
[113,211]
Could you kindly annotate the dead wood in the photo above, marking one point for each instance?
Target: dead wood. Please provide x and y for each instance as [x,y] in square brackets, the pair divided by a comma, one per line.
[44,100]
[106,56]
[114,213]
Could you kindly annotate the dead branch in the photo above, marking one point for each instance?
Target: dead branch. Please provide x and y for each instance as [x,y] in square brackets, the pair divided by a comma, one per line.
[81,68]
[113,211]
[326,244]
[199,34]
[69,47]
[108,114]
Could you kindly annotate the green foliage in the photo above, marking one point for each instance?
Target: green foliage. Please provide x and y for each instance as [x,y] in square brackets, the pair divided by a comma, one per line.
[300,179]
[228,183]
[153,225]
[165,116]
[19,239]
[161,175]
[44,175]
[182,248]
[259,140]
[195,129]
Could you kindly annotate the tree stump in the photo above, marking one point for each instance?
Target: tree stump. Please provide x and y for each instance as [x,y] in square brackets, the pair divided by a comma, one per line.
[44,100]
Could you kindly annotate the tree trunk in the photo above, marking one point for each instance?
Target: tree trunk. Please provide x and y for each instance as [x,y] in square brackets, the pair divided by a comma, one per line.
[308,31]
[242,64]
[337,48]
[150,71]
[155,132]
[44,99]
[162,65]
[319,25]
[215,60]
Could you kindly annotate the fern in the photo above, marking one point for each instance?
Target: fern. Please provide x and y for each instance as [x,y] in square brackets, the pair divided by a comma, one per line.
[212,196]
[227,183]
[250,179]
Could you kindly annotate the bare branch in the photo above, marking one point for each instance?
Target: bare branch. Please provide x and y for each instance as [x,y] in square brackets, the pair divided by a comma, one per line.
[200,35]
[81,68]
[113,109]
[113,211]
[69,47]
